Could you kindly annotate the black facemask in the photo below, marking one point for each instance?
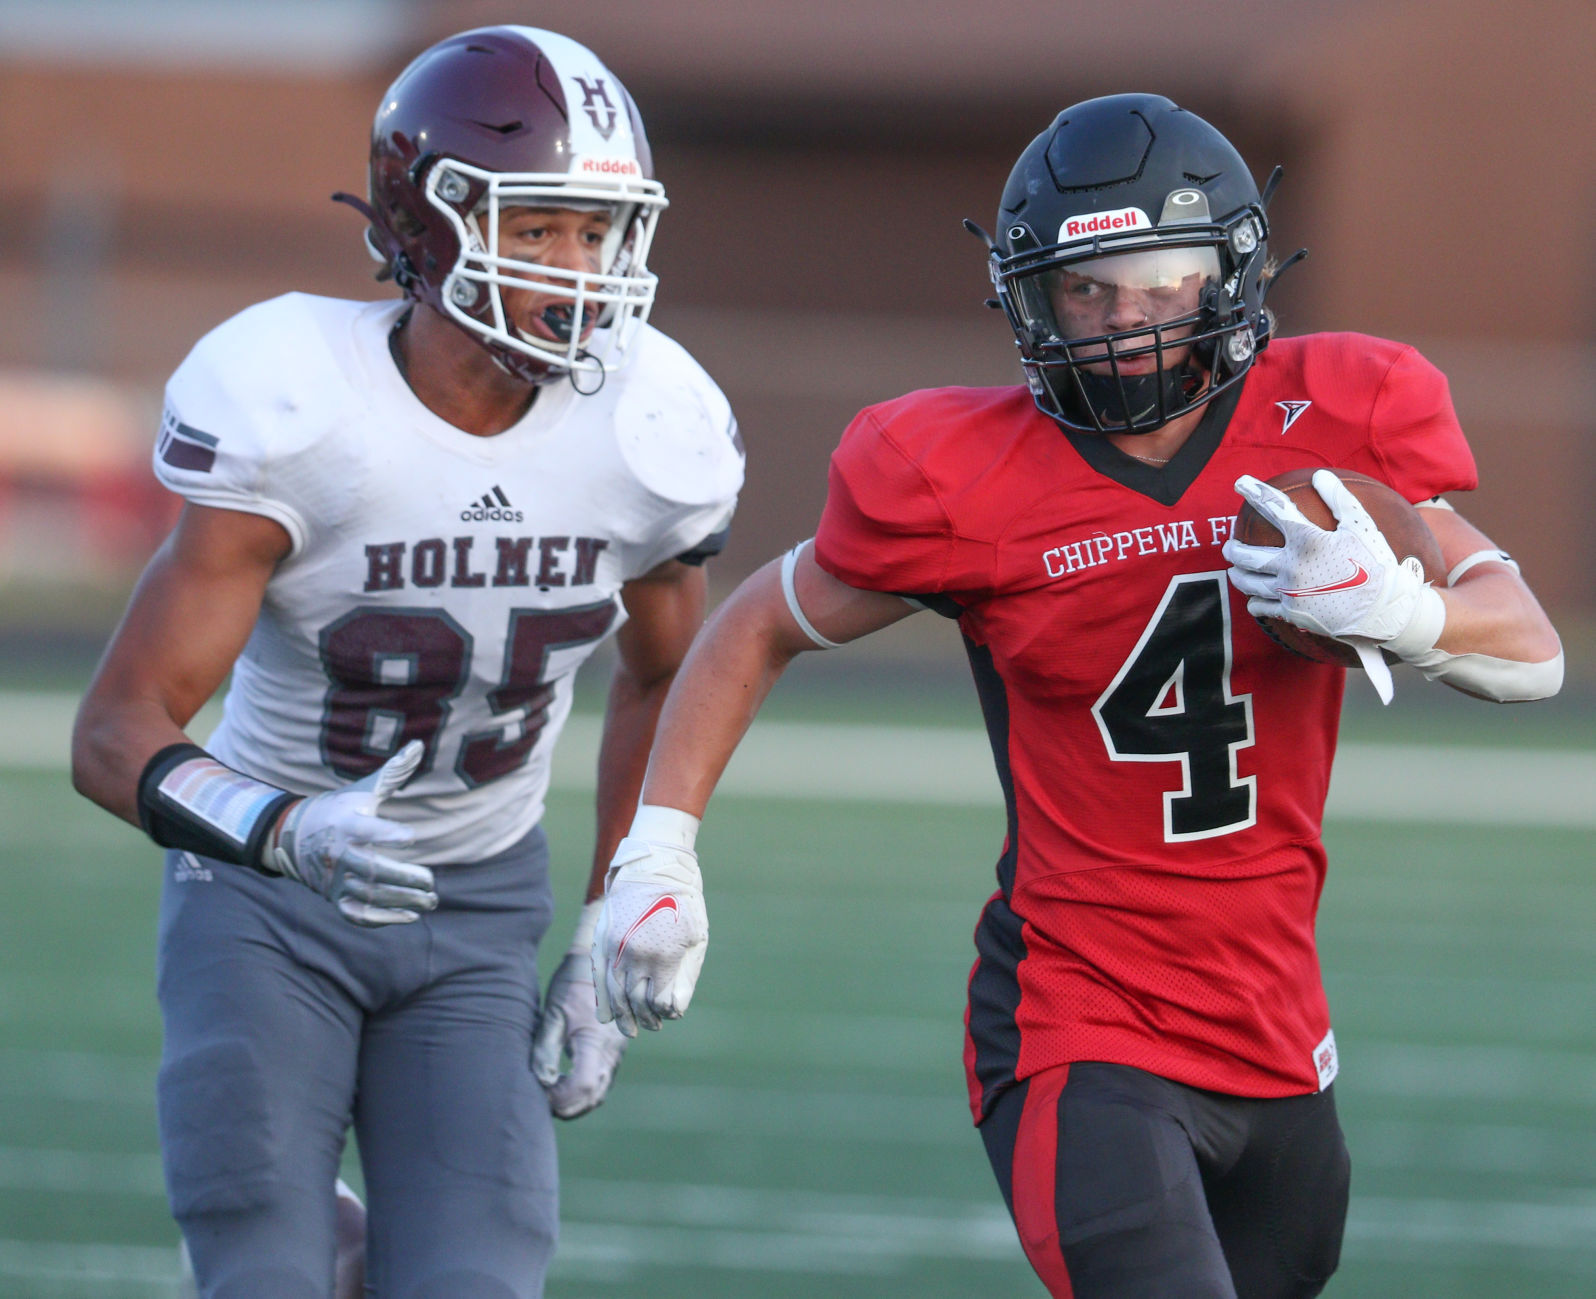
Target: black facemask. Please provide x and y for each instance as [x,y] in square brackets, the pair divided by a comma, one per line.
[1123,400]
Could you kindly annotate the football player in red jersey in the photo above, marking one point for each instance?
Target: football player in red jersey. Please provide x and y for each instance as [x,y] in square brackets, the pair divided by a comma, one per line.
[1149,1051]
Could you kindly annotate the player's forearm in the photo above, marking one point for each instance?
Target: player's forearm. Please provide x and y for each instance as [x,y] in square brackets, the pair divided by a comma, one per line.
[1492,611]
[735,661]
[630,718]
[112,742]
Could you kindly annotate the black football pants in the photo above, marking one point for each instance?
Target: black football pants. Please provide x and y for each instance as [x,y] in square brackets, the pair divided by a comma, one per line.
[1124,1185]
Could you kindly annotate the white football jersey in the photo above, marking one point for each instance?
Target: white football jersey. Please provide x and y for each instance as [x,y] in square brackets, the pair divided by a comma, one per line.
[441,587]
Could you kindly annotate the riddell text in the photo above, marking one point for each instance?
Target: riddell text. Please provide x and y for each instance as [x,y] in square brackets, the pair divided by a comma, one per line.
[1116,547]
[512,561]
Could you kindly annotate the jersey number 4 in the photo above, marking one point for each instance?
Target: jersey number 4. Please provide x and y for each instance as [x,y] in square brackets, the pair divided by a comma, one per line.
[1171,702]
[394,673]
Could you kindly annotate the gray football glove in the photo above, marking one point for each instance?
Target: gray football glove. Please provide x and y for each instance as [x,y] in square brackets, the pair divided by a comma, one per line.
[325,842]
[568,1024]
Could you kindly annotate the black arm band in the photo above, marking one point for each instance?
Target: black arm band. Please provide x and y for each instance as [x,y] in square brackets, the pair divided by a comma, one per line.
[189,801]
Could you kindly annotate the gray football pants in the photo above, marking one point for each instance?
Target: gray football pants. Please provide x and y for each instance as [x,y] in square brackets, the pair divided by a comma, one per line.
[285,1024]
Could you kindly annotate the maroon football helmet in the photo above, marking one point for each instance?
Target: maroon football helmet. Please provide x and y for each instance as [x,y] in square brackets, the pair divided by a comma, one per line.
[505,117]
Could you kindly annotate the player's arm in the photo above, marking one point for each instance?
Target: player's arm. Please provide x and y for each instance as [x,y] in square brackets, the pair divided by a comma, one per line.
[739,657]
[189,617]
[646,971]
[1490,608]
[665,608]
[1480,632]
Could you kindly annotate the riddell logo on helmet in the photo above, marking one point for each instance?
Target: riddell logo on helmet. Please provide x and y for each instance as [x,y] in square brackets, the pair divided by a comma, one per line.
[607,167]
[1088,225]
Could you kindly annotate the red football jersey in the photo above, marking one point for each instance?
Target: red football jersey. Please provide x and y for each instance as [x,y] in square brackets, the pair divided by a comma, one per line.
[1164,762]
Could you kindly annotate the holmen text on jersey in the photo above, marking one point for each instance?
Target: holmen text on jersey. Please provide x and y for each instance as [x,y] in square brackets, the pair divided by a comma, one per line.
[561,561]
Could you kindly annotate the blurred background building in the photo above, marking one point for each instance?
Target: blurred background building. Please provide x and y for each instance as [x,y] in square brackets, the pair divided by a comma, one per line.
[166,163]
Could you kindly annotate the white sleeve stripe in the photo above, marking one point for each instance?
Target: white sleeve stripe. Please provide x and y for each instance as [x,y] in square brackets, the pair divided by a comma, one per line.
[1490,555]
[1436,503]
[789,561]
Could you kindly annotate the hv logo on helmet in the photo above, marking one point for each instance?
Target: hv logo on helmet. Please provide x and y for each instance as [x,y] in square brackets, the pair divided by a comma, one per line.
[598,105]
[1091,224]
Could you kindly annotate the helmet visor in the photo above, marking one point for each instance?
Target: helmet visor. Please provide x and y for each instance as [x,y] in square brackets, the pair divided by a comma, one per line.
[1085,304]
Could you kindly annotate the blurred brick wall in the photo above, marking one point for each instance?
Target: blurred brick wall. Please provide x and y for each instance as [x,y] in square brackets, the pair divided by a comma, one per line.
[819,163]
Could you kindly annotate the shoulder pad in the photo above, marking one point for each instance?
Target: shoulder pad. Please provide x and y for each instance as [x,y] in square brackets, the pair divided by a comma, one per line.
[674,426]
[255,395]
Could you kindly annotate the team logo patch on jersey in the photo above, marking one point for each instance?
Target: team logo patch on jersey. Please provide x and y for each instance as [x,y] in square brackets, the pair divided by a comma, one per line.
[494,505]
[1325,1062]
[1293,410]
[185,447]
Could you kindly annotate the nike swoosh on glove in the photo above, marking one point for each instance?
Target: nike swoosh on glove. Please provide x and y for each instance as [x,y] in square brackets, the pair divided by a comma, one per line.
[325,842]
[568,1024]
[652,935]
[1345,583]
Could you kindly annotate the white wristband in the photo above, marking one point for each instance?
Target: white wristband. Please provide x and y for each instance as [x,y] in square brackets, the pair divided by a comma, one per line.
[789,561]
[586,923]
[664,825]
[1423,629]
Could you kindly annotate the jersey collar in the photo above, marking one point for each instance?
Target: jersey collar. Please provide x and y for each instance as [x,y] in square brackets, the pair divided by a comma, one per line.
[1165,484]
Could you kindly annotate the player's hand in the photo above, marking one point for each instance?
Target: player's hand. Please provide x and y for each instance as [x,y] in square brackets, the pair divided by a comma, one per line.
[568,1024]
[326,843]
[1347,583]
[652,935]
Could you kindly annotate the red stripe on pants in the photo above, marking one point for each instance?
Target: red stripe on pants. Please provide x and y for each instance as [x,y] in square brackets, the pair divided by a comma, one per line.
[1035,1175]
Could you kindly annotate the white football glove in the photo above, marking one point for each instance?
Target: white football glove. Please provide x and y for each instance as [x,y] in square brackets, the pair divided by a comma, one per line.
[653,931]
[1344,583]
[568,1024]
[325,841]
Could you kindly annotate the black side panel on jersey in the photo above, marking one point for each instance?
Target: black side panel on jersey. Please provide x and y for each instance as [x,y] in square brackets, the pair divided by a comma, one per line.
[945,605]
[1166,484]
[999,939]
[706,549]
[994,697]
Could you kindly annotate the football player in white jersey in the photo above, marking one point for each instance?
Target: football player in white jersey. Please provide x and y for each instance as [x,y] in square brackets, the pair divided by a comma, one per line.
[406,524]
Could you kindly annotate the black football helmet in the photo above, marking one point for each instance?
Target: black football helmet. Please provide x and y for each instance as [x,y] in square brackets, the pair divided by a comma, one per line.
[1129,258]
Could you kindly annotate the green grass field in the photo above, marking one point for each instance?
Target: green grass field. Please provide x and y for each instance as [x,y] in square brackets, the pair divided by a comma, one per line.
[803,1131]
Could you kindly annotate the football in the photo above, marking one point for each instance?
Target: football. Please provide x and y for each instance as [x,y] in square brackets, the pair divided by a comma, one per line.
[1401,524]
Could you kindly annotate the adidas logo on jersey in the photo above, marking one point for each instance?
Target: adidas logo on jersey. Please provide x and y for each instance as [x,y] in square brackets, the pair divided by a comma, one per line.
[494,506]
